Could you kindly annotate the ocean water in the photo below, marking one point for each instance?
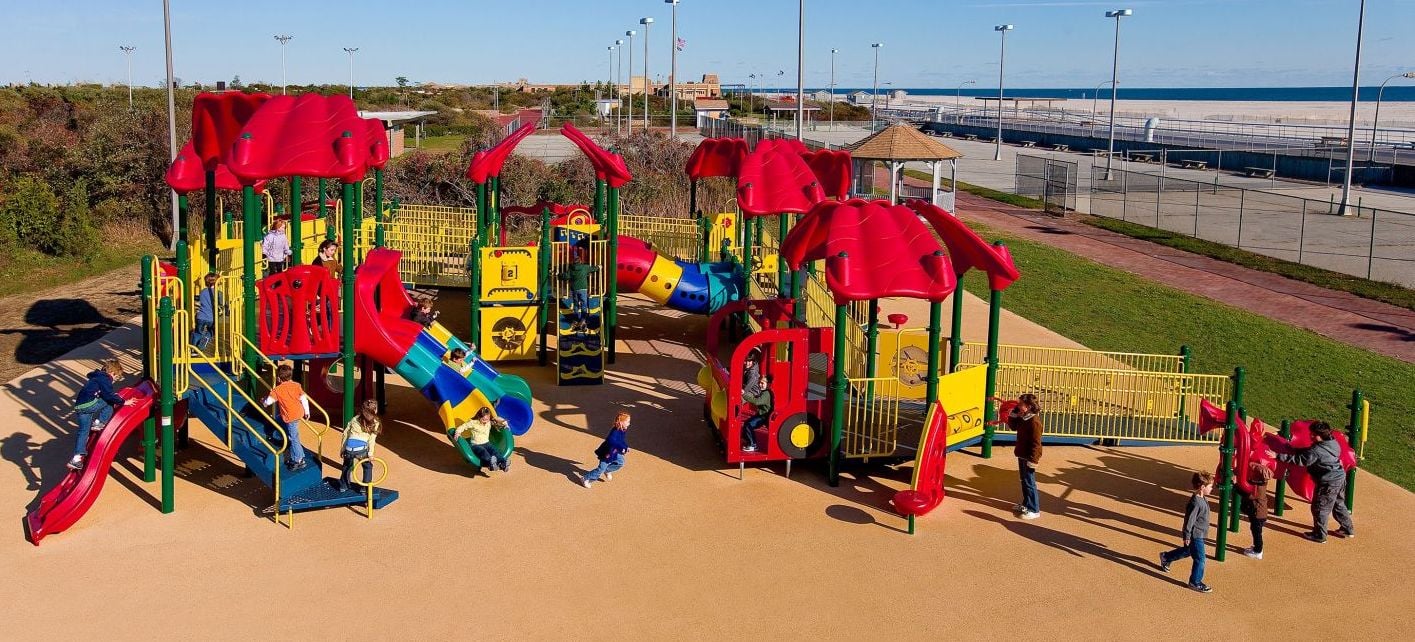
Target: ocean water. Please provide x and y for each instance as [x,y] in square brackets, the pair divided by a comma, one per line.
[1403,92]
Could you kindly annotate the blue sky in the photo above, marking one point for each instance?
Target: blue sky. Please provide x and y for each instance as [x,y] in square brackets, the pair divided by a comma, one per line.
[928,43]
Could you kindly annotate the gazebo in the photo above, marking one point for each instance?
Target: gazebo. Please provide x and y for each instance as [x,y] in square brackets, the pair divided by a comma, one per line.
[899,144]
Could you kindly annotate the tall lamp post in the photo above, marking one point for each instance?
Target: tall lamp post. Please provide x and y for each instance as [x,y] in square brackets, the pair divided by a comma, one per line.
[832,88]
[282,39]
[1351,119]
[1114,67]
[646,21]
[618,96]
[874,86]
[1094,98]
[351,51]
[128,53]
[609,82]
[171,114]
[1375,122]
[1001,62]
[800,67]
[629,119]
[673,75]
[958,93]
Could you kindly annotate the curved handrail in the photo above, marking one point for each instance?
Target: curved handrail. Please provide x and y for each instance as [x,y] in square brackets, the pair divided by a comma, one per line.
[270,385]
[368,487]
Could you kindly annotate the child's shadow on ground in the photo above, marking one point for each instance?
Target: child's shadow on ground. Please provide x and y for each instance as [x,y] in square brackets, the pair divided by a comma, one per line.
[1075,545]
[550,463]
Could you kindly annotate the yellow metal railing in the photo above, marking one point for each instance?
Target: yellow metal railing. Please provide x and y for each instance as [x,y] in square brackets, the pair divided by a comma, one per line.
[1116,404]
[872,416]
[560,258]
[435,241]
[319,428]
[975,353]
[679,238]
[371,485]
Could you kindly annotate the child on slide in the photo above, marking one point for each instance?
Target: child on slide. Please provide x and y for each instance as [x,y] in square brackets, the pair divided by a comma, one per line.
[94,406]
[477,432]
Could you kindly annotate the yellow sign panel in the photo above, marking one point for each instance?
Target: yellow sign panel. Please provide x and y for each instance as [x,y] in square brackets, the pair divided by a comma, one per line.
[962,394]
[905,356]
[509,274]
[724,226]
[508,333]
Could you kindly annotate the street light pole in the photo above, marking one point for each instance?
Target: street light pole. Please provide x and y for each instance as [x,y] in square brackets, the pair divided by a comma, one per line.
[874,87]
[283,39]
[618,96]
[832,88]
[1375,122]
[171,115]
[1001,63]
[128,53]
[1094,97]
[1351,120]
[629,119]
[351,51]
[800,67]
[1114,67]
[673,75]
[609,82]
[646,21]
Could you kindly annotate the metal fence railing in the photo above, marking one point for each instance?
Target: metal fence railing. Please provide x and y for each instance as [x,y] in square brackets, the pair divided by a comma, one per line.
[1048,179]
[434,239]
[975,353]
[680,238]
[1367,242]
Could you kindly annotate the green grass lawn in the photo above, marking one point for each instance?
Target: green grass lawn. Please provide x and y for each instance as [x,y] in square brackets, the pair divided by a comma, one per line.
[444,143]
[25,270]
[1292,373]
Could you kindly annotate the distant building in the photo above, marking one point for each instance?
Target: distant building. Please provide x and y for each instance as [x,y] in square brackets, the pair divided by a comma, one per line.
[709,109]
[860,98]
[394,123]
[898,94]
[822,96]
[710,87]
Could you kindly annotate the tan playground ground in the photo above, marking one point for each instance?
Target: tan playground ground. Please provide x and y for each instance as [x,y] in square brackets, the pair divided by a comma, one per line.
[675,547]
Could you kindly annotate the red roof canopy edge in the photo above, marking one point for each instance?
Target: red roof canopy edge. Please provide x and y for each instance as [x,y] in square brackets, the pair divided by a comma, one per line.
[967,249]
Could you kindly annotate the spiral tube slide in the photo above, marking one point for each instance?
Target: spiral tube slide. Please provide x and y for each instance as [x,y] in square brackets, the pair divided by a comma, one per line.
[695,288]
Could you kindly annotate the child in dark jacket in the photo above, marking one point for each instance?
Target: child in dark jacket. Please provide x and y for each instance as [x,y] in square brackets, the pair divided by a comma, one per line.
[1323,463]
[1255,505]
[611,452]
[1023,420]
[94,406]
[1196,528]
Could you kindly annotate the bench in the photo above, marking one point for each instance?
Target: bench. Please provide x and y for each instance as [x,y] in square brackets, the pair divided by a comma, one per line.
[1333,141]
[1061,148]
[945,134]
[1029,143]
[1259,172]
[1142,158]
[970,137]
[1194,164]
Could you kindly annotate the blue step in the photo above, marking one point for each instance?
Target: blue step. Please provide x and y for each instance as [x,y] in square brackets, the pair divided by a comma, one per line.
[328,495]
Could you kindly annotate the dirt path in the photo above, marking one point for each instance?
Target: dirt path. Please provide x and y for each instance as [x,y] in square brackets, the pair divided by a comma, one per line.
[36,328]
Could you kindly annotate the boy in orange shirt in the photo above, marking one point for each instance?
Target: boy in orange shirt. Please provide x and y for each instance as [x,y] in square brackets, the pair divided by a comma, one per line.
[294,406]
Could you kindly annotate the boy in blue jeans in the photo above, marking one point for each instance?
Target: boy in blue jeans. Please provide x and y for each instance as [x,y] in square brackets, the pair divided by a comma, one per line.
[94,407]
[1196,528]
[610,452]
[208,300]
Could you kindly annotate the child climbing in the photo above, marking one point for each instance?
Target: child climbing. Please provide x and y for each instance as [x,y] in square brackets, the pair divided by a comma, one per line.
[293,407]
[359,437]
[1323,463]
[209,301]
[94,406]
[611,451]
[1196,528]
[577,275]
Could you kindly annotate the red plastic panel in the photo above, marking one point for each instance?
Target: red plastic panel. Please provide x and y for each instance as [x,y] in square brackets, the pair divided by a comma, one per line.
[187,174]
[608,166]
[382,329]
[488,162]
[967,249]
[834,171]
[302,136]
[377,138]
[775,180]
[299,312]
[887,251]
[928,492]
[1298,480]
[717,157]
[217,119]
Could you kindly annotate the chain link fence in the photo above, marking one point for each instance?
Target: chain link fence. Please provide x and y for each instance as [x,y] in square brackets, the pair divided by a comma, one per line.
[1049,180]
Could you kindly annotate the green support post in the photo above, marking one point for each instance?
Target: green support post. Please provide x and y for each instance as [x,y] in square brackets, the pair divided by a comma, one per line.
[184,215]
[693,198]
[546,291]
[705,234]
[612,305]
[1226,484]
[297,223]
[798,278]
[1235,515]
[378,218]
[184,273]
[1185,355]
[251,224]
[213,219]
[1353,436]
[346,341]
[599,204]
[330,229]
[955,329]
[782,274]
[481,207]
[166,398]
[990,390]
[872,345]
[493,198]
[149,425]
[837,391]
[1280,494]
[935,354]
[747,252]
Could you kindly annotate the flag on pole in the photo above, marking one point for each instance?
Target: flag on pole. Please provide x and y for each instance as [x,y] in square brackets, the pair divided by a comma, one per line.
[681,44]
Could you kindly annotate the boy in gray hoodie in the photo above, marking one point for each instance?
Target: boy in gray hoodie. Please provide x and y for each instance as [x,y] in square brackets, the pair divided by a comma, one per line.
[1323,463]
[1196,528]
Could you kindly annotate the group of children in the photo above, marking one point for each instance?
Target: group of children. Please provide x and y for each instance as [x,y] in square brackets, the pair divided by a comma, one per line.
[1322,461]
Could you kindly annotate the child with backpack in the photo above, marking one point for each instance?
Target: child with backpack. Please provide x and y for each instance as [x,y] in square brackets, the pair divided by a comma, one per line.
[359,436]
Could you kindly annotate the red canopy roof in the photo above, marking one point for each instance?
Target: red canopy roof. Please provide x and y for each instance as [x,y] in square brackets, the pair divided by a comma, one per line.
[302,136]
[774,179]
[871,250]
[717,157]
[488,162]
[378,151]
[186,174]
[967,249]
[608,166]
[216,121]
[834,171]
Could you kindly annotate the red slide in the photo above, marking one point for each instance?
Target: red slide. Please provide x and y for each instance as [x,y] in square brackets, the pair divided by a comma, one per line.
[66,503]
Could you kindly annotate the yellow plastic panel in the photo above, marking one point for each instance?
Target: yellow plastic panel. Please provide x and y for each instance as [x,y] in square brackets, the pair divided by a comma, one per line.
[509,274]
[508,332]
[662,278]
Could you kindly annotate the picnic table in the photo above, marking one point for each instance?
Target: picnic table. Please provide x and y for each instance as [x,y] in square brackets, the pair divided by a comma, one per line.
[1061,148]
[1029,143]
[1194,164]
[1142,158]
[1259,172]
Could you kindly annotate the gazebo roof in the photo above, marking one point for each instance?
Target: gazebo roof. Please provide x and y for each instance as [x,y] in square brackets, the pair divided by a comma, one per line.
[901,142]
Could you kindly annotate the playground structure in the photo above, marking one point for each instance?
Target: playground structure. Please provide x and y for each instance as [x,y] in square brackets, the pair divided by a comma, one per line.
[806,293]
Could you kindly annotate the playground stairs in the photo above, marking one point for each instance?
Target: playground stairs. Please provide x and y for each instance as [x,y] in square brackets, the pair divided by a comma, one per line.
[211,401]
[580,351]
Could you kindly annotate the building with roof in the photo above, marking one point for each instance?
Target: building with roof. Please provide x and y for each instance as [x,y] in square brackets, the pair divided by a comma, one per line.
[860,97]
[395,124]
[710,87]
[899,144]
[709,109]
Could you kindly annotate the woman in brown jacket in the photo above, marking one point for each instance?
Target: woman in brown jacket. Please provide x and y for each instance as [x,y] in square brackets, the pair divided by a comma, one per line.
[1023,420]
[1255,505]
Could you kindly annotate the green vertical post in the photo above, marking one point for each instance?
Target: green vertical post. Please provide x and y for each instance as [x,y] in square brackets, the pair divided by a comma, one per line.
[1226,484]
[798,278]
[213,219]
[297,223]
[1185,355]
[935,354]
[358,214]
[612,271]
[747,242]
[599,205]
[990,390]
[149,425]
[184,273]
[250,217]
[955,329]
[782,274]
[1353,436]
[378,216]
[481,208]
[1280,494]
[705,236]
[837,391]
[546,291]
[474,286]
[166,398]
[184,215]
[1234,514]
[493,202]
[330,229]
[346,341]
